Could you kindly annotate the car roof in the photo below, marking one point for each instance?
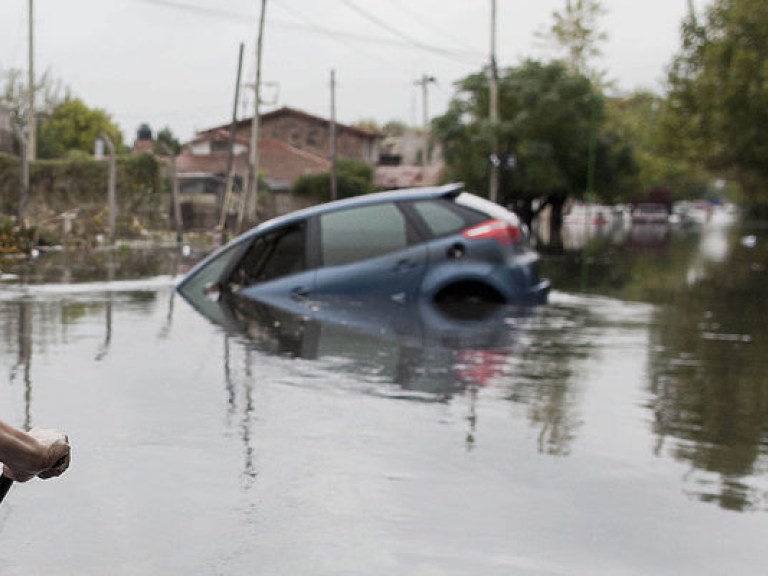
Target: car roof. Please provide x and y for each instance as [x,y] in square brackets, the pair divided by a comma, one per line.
[401,195]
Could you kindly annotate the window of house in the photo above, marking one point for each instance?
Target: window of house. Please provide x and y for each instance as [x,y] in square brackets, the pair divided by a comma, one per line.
[360,233]
[219,146]
[312,137]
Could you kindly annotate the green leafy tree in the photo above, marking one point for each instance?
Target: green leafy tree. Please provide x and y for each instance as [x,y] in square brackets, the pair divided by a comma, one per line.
[575,32]
[716,113]
[353,178]
[72,125]
[166,142]
[549,133]
[636,121]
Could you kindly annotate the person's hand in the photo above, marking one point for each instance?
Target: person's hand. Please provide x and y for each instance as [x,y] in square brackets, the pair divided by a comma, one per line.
[50,458]
[58,452]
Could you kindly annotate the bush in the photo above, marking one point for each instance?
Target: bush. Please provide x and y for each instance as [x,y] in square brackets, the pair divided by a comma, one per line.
[79,182]
[353,178]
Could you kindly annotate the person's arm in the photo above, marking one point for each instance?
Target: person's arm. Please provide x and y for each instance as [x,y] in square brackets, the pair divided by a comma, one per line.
[42,453]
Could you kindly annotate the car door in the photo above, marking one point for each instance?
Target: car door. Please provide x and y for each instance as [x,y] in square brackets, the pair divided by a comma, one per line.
[274,269]
[369,252]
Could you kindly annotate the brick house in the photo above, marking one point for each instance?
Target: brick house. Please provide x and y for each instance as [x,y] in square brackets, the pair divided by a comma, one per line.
[292,143]
[309,133]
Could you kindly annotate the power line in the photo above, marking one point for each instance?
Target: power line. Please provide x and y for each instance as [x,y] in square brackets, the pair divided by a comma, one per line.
[405,7]
[400,34]
[406,41]
[187,7]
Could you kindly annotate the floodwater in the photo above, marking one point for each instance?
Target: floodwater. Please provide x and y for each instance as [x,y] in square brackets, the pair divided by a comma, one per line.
[621,429]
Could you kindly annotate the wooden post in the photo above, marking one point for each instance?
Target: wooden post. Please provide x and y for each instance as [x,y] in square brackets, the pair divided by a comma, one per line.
[21,213]
[177,219]
[231,146]
[252,196]
[112,186]
[334,180]
[493,113]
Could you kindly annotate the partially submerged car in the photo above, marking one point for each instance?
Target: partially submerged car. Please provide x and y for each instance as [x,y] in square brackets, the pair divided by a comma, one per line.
[438,244]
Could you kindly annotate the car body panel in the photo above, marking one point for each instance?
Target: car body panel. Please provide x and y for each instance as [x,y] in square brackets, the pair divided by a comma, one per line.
[395,276]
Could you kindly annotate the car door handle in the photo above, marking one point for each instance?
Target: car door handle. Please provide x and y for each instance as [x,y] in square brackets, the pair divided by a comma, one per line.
[300,293]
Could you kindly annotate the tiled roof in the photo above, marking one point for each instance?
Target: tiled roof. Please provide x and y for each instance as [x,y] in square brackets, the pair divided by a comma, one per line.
[220,134]
[287,111]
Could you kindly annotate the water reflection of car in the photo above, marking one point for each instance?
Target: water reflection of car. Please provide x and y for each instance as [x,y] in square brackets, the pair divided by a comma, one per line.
[434,244]
[437,349]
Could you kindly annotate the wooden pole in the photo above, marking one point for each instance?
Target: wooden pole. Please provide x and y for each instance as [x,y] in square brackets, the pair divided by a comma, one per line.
[231,145]
[334,180]
[112,186]
[31,121]
[24,183]
[424,83]
[253,177]
[493,86]
[177,218]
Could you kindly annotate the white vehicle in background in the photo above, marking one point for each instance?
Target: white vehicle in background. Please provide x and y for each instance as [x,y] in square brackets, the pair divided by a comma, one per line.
[650,214]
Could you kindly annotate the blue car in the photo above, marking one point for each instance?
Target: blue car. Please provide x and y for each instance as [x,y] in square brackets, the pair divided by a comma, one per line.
[438,244]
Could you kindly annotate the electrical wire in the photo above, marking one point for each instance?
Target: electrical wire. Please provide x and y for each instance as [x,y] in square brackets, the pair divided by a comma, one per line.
[402,35]
[405,41]
[187,7]
[405,7]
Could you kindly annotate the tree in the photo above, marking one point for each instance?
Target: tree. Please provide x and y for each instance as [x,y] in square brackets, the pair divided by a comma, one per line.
[636,121]
[14,95]
[716,112]
[575,32]
[72,125]
[549,132]
[354,178]
[166,142]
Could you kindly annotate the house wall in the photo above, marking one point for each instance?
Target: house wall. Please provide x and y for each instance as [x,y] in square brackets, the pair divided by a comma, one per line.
[313,136]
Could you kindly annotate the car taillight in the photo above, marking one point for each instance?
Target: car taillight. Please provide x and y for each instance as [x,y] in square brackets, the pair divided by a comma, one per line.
[499,230]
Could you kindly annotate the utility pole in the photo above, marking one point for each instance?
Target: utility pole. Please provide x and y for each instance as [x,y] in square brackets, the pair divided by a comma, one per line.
[253,181]
[493,114]
[231,145]
[24,190]
[424,83]
[31,122]
[334,180]
[112,186]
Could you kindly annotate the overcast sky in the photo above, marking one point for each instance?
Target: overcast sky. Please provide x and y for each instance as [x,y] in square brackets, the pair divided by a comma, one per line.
[174,62]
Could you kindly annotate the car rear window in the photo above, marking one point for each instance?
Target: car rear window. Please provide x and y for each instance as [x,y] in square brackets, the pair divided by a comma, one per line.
[444,217]
[359,233]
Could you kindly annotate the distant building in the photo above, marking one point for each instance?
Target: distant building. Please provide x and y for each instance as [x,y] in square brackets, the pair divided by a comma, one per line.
[400,163]
[310,134]
[291,144]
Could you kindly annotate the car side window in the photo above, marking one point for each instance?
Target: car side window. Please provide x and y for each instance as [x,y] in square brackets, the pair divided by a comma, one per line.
[271,256]
[443,218]
[359,233]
